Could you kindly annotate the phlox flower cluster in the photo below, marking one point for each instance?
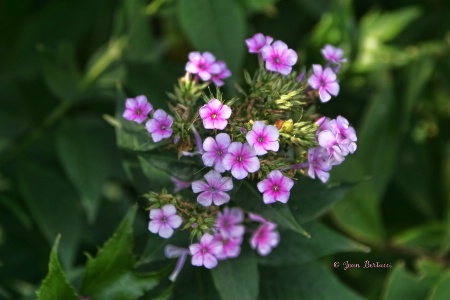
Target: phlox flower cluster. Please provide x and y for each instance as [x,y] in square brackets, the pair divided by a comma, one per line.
[264,139]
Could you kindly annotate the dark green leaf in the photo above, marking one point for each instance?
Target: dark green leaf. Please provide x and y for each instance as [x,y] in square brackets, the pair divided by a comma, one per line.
[427,236]
[250,200]
[60,71]
[441,291]
[311,198]
[295,249]
[109,275]
[217,26]
[237,278]
[55,285]
[54,209]
[194,283]
[85,152]
[303,281]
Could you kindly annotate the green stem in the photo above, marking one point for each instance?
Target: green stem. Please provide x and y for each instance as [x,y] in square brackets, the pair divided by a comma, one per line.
[33,134]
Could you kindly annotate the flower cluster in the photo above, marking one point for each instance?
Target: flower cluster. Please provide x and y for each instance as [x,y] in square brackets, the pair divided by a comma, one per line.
[265,139]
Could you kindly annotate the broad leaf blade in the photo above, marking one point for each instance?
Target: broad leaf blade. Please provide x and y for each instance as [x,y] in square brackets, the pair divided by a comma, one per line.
[55,285]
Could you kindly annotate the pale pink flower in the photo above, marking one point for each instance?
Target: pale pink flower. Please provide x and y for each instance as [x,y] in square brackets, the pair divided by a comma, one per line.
[265,238]
[163,221]
[215,150]
[160,125]
[137,109]
[325,82]
[204,65]
[279,58]
[229,222]
[215,114]
[231,246]
[241,159]
[275,187]
[257,42]
[263,138]
[205,253]
[319,163]
[333,54]
[213,190]
[222,74]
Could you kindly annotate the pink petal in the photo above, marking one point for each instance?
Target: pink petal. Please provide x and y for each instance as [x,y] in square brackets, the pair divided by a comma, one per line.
[269,197]
[317,70]
[209,261]
[279,46]
[283,69]
[205,198]
[288,183]
[209,144]
[209,158]
[215,105]
[154,226]
[152,125]
[220,198]
[228,161]
[252,137]
[205,112]
[333,88]
[156,213]
[208,57]
[219,167]
[238,171]
[220,124]
[195,56]
[204,75]
[213,178]
[174,221]
[129,114]
[191,68]
[252,164]
[197,259]
[271,133]
[226,184]
[326,139]
[329,75]
[259,149]
[291,57]
[141,100]
[314,81]
[266,53]
[223,139]
[271,66]
[159,115]
[324,96]
[264,185]
[156,136]
[131,104]
[165,231]
[283,197]
[169,210]
[194,248]
[225,112]
[273,146]
[199,186]
[206,239]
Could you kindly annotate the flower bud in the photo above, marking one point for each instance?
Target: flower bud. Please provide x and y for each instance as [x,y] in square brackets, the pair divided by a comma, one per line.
[287,125]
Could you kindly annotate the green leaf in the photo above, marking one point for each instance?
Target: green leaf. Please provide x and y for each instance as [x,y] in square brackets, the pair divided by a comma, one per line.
[310,198]
[294,249]
[55,285]
[109,275]
[250,200]
[441,291]
[84,150]
[403,285]
[54,209]
[194,283]
[425,236]
[60,71]
[217,26]
[303,281]
[237,278]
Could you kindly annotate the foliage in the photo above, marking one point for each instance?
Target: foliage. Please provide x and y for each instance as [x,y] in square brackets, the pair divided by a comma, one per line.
[71,168]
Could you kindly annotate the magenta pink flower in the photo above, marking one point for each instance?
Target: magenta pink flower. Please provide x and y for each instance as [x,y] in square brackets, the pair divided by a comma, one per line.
[204,65]
[160,125]
[215,150]
[205,253]
[231,246]
[222,74]
[229,222]
[333,54]
[319,163]
[325,82]
[275,187]
[163,221]
[263,138]
[257,42]
[241,159]
[213,190]
[279,58]
[215,114]
[137,109]
[265,238]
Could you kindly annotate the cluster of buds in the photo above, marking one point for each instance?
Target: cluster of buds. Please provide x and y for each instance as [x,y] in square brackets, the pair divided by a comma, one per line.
[266,137]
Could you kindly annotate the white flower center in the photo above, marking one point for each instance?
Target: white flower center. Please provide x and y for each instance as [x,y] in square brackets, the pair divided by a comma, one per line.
[214,116]
[163,127]
[275,188]
[260,139]
[239,158]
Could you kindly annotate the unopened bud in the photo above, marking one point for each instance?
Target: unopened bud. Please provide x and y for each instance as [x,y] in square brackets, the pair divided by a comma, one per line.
[287,125]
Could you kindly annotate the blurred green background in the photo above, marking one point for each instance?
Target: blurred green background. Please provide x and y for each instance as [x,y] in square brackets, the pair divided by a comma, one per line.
[63,62]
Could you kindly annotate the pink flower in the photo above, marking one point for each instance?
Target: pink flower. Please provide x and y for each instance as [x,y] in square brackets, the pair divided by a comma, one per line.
[333,54]
[173,252]
[204,65]
[215,150]
[319,163]
[325,82]
[179,184]
[257,42]
[231,246]
[275,187]
[229,222]
[263,138]
[265,238]
[160,125]
[215,114]
[241,159]
[279,58]
[164,220]
[205,253]
[137,109]
[222,74]
[213,190]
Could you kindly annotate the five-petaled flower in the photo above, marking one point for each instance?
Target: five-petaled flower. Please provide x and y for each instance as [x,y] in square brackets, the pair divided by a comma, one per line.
[163,221]
[204,65]
[205,253]
[275,187]
[231,246]
[160,125]
[215,114]
[319,163]
[215,150]
[325,82]
[137,109]
[222,74]
[333,54]
[229,222]
[241,159]
[213,190]
[279,58]
[265,238]
[263,138]
[257,42]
